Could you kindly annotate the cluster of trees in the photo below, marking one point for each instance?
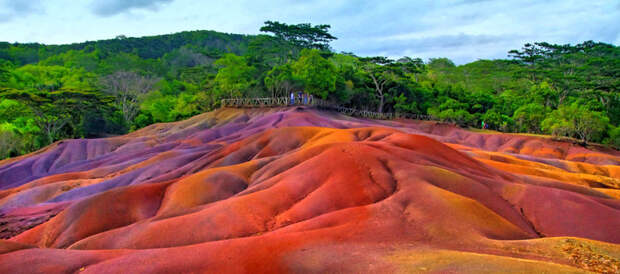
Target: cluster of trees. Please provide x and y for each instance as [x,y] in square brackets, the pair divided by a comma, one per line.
[110,87]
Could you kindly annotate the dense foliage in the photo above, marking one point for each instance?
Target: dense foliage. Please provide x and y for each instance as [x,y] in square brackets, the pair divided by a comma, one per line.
[109,87]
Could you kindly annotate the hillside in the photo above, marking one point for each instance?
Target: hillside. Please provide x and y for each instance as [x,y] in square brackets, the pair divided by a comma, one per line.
[148,47]
[297,189]
[111,87]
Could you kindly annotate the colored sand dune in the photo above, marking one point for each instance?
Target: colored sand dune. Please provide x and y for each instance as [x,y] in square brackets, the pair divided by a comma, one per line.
[299,190]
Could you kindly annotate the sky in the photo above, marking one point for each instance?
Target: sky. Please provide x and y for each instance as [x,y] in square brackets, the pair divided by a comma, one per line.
[462,30]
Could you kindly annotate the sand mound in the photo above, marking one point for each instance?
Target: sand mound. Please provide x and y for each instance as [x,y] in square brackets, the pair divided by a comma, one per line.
[285,190]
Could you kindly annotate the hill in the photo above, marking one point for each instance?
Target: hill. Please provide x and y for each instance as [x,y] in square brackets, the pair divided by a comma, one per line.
[148,47]
[296,189]
[112,87]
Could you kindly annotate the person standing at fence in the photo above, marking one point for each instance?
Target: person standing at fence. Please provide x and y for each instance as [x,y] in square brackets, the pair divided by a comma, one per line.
[305,98]
[299,96]
[292,98]
[311,99]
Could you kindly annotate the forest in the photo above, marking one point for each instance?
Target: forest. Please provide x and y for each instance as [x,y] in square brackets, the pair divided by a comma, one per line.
[111,87]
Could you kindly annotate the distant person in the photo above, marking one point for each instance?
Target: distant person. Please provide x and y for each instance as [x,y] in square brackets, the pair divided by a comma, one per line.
[292,97]
[311,99]
[305,98]
[299,96]
[483,125]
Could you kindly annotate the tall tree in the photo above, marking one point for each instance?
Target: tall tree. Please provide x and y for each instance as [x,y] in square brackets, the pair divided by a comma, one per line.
[234,77]
[317,73]
[384,72]
[528,117]
[267,51]
[129,89]
[280,80]
[56,109]
[11,142]
[576,120]
[302,35]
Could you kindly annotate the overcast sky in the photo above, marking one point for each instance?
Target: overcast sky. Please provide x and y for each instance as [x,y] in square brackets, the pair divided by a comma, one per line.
[462,30]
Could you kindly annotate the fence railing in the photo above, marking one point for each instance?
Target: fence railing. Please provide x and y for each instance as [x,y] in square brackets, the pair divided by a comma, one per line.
[319,103]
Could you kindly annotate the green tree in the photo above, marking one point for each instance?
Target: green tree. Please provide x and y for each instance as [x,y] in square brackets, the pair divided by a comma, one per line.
[18,122]
[614,137]
[316,73]
[544,94]
[441,64]
[382,72]
[56,109]
[234,77]
[5,71]
[460,116]
[498,121]
[10,142]
[266,52]
[401,104]
[302,35]
[575,120]
[51,78]
[159,107]
[280,80]
[129,89]
[529,117]
[492,118]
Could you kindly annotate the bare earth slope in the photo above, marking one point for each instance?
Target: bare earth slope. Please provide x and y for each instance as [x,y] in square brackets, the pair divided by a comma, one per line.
[299,190]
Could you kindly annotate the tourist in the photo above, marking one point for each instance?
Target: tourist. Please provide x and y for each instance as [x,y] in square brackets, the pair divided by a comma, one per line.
[292,97]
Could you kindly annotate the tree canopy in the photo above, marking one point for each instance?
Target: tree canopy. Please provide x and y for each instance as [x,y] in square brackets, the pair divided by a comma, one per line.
[317,74]
[302,35]
[109,87]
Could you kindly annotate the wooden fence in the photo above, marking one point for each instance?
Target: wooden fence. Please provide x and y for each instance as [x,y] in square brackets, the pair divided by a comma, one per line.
[319,103]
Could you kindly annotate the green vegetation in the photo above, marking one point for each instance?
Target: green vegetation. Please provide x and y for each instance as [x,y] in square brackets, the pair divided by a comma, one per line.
[110,87]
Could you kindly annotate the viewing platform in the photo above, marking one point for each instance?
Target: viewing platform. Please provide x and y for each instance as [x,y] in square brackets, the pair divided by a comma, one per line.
[321,104]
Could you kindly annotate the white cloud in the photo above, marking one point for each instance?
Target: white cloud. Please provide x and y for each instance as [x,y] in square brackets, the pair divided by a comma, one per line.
[113,7]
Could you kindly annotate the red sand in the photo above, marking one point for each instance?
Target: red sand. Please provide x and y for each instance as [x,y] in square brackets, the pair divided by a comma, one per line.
[296,190]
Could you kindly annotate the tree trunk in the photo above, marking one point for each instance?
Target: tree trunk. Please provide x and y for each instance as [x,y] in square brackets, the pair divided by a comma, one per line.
[379,84]
[50,138]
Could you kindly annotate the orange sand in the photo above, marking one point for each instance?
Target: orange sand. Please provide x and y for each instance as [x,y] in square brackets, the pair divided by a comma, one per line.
[298,190]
